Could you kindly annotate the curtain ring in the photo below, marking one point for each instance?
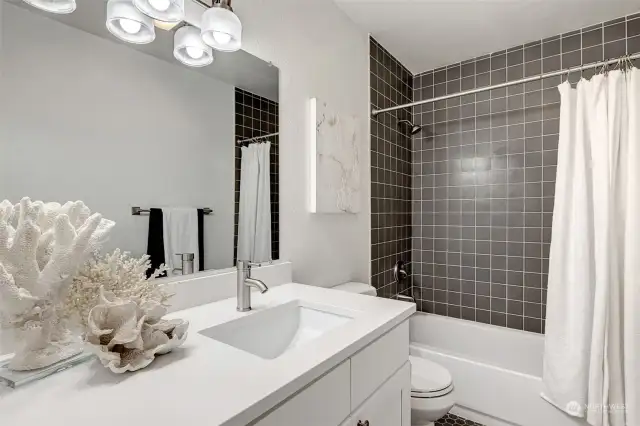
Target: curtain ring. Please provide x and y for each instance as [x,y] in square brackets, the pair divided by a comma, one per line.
[628,61]
[604,69]
[566,75]
[617,64]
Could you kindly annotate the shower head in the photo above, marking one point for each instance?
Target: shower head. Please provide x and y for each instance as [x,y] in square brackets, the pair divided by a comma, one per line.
[413,129]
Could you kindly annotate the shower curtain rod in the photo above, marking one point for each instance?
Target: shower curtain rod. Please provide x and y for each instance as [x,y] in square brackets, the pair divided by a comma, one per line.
[375,112]
[257,138]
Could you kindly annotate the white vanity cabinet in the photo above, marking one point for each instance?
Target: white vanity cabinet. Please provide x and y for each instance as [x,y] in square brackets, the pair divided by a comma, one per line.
[373,386]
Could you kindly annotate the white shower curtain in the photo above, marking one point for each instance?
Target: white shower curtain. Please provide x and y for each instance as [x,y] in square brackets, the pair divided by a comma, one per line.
[254,222]
[592,346]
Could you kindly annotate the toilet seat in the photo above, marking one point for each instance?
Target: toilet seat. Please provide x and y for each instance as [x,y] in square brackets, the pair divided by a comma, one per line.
[428,379]
[436,394]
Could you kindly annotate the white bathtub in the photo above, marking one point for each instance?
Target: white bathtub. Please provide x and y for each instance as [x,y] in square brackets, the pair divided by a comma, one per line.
[496,371]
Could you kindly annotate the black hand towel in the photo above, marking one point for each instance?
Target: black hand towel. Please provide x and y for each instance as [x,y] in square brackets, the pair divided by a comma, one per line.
[155,242]
[201,238]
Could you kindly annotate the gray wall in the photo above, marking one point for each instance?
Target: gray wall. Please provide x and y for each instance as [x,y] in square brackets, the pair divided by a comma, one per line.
[484,177]
[86,118]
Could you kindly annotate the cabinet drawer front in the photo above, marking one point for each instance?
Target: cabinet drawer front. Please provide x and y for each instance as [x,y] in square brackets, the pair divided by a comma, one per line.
[324,402]
[372,366]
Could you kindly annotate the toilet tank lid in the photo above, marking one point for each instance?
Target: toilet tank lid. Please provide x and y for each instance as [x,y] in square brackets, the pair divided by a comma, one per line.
[354,287]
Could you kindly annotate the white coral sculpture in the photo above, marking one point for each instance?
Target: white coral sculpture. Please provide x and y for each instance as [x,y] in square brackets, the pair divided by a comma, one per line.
[127,334]
[42,246]
[117,273]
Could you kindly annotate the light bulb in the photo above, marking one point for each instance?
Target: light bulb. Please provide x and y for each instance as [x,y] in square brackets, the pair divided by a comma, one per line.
[161,5]
[221,38]
[194,52]
[130,26]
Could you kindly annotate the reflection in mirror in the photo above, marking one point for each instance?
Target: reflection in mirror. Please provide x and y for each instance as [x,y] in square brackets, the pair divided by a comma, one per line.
[148,142]
[257,239]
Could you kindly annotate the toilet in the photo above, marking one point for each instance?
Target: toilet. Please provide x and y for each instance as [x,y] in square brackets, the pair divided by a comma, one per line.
[432,394]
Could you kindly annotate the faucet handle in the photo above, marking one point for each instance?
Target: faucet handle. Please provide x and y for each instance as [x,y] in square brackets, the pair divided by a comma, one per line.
[399,271]
[249,264]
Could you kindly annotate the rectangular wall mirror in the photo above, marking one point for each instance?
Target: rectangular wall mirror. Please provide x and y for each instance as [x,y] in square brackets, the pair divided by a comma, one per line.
[148,142]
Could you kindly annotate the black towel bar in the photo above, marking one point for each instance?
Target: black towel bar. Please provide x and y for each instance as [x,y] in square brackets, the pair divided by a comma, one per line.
[137,211]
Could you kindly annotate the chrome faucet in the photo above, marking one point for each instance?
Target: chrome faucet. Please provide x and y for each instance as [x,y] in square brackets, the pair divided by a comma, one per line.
[245,282]
[187,260]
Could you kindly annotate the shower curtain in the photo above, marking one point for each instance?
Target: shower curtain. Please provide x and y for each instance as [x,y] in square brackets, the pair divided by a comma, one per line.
[254,222]
[592,346]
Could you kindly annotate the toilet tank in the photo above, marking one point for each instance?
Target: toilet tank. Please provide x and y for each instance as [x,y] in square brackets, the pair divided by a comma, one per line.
[360,288]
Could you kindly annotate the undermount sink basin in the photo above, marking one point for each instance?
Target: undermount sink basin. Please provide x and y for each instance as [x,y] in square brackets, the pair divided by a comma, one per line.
[277,330]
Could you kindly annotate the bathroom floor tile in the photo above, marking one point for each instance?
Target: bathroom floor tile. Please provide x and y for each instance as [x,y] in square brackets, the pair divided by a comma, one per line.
[451,419]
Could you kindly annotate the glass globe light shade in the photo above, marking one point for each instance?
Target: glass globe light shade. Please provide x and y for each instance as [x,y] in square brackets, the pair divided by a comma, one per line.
[127,23]
[189,48]
[53,6]
[162,10]
[222,29]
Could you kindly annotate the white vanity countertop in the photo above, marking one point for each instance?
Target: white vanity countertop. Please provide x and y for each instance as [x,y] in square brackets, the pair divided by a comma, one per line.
[204,381]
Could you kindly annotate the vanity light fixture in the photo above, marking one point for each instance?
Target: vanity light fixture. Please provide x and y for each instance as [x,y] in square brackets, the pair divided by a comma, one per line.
[127,23]
[190,49]
[221,28]
[53,6]
[162,10]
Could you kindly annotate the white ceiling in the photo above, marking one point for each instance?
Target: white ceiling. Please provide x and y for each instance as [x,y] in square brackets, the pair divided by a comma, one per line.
[238,69]
[426,34]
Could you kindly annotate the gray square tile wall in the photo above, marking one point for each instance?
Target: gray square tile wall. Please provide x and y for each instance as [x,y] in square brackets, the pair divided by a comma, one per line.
[484,174]
[391,84]
[256,116]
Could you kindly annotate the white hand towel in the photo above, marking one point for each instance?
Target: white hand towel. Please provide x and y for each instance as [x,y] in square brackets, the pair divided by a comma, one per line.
[180,228]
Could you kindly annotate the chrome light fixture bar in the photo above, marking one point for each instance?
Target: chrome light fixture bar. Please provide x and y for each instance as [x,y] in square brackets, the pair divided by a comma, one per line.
[162,10]
[127,23]
[53,6]
[190,49]
[221,28]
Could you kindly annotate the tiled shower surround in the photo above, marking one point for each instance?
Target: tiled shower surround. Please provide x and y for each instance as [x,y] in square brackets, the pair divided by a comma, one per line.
[391,84]
[484,170]
[484,177]
[256,116]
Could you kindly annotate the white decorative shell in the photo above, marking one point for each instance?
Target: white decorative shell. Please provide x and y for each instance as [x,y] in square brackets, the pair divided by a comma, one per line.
[126,335]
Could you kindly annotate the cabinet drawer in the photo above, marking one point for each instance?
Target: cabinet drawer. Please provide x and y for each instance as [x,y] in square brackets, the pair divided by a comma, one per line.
[373,365]
[324,402]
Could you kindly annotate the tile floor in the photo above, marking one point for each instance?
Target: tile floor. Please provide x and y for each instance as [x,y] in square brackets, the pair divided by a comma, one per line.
[451,419]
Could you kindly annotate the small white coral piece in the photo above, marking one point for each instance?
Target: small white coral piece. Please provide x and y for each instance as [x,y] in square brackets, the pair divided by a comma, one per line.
[123,276]
[127,334]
